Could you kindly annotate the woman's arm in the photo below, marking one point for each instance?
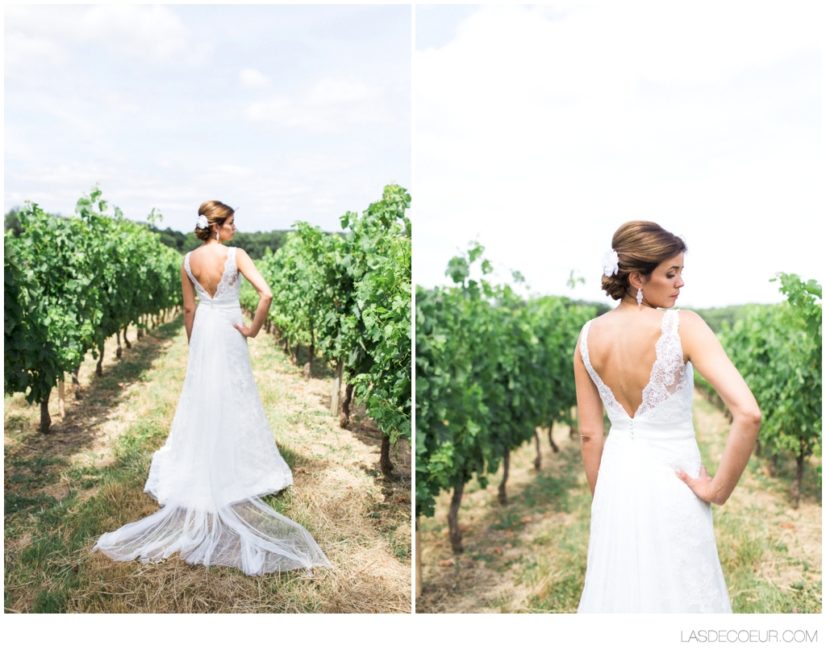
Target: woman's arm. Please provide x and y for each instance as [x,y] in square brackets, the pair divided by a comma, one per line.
[188,292]
[707,355]
[248,269]
[589,411]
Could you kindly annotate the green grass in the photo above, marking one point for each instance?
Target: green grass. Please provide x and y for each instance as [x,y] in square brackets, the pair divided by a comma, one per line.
[61,529]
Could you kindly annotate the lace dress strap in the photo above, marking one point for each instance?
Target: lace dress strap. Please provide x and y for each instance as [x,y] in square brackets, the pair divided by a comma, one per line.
[671,321]
[229,277]
[187,268]
[669,369]
[583,350]
[605,393]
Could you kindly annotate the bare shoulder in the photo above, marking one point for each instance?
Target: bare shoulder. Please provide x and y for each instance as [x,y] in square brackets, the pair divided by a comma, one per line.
[605,317]
[692,323]
[601,323]
[697,337]
[244,263]
[577,353]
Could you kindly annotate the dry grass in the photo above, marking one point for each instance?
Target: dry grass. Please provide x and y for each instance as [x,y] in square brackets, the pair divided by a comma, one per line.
[529,555]
[66,488]
[771,553]
[513,553]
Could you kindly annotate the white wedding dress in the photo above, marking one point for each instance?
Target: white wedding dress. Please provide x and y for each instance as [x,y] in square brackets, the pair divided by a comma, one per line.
[219,458]
[652,547]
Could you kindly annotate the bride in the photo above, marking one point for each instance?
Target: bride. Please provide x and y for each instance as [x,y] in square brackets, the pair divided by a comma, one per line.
[220,456]
[652,547]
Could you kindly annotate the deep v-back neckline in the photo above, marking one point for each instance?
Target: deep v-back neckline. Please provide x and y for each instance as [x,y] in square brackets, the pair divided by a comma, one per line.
[220,279]
[650,374]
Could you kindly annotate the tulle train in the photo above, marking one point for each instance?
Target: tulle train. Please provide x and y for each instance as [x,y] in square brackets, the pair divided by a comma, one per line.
[250,536]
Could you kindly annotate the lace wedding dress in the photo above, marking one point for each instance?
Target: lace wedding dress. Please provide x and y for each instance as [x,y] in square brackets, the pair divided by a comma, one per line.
[219,458]
[652,546]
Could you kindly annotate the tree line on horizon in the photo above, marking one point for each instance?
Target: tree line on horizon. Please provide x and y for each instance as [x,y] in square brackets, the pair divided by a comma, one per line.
[254,243]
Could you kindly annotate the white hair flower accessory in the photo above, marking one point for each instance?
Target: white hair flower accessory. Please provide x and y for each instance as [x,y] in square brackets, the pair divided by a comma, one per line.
[610,263]
[201,222]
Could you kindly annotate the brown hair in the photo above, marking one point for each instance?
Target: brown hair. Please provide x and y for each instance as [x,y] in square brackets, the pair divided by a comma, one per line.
[216,213]
[641,246]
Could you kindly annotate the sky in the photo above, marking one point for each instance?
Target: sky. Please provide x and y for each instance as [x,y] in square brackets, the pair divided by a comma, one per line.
[539,130]
[285,113]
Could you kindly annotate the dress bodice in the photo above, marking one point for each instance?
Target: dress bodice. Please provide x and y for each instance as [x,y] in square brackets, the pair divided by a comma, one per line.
[228,289]
[666,399]
[651,547]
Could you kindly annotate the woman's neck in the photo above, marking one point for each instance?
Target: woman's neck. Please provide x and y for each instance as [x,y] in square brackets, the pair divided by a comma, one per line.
[627,303]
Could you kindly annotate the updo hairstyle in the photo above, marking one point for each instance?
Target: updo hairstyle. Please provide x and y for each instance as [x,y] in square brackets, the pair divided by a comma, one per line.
[216,213]
[641,246]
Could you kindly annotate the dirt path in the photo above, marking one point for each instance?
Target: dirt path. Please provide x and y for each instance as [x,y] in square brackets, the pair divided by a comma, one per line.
[529,555]
[86,477]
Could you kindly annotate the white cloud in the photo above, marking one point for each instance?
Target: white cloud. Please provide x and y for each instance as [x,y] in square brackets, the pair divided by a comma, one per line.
[306,163]
[251,78]
[341,92]
[70,114]
[328,105]
[271,109]
[119,103]
[238,171]
[79,176]
[323,201]
[153,34]
[23,50]
[114,95]
[540,132]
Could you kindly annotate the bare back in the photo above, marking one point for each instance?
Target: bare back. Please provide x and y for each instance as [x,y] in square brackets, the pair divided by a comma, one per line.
[622,349]
[207,264]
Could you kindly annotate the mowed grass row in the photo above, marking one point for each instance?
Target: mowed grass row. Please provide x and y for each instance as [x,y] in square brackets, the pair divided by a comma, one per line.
[530,555]
[64,489]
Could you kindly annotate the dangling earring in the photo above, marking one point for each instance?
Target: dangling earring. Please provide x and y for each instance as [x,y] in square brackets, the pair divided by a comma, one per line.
[217,236]
[639,296]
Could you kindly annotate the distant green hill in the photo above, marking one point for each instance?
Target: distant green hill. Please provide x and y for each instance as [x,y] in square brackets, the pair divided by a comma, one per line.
[601,307]
[716,316]
[255,243]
